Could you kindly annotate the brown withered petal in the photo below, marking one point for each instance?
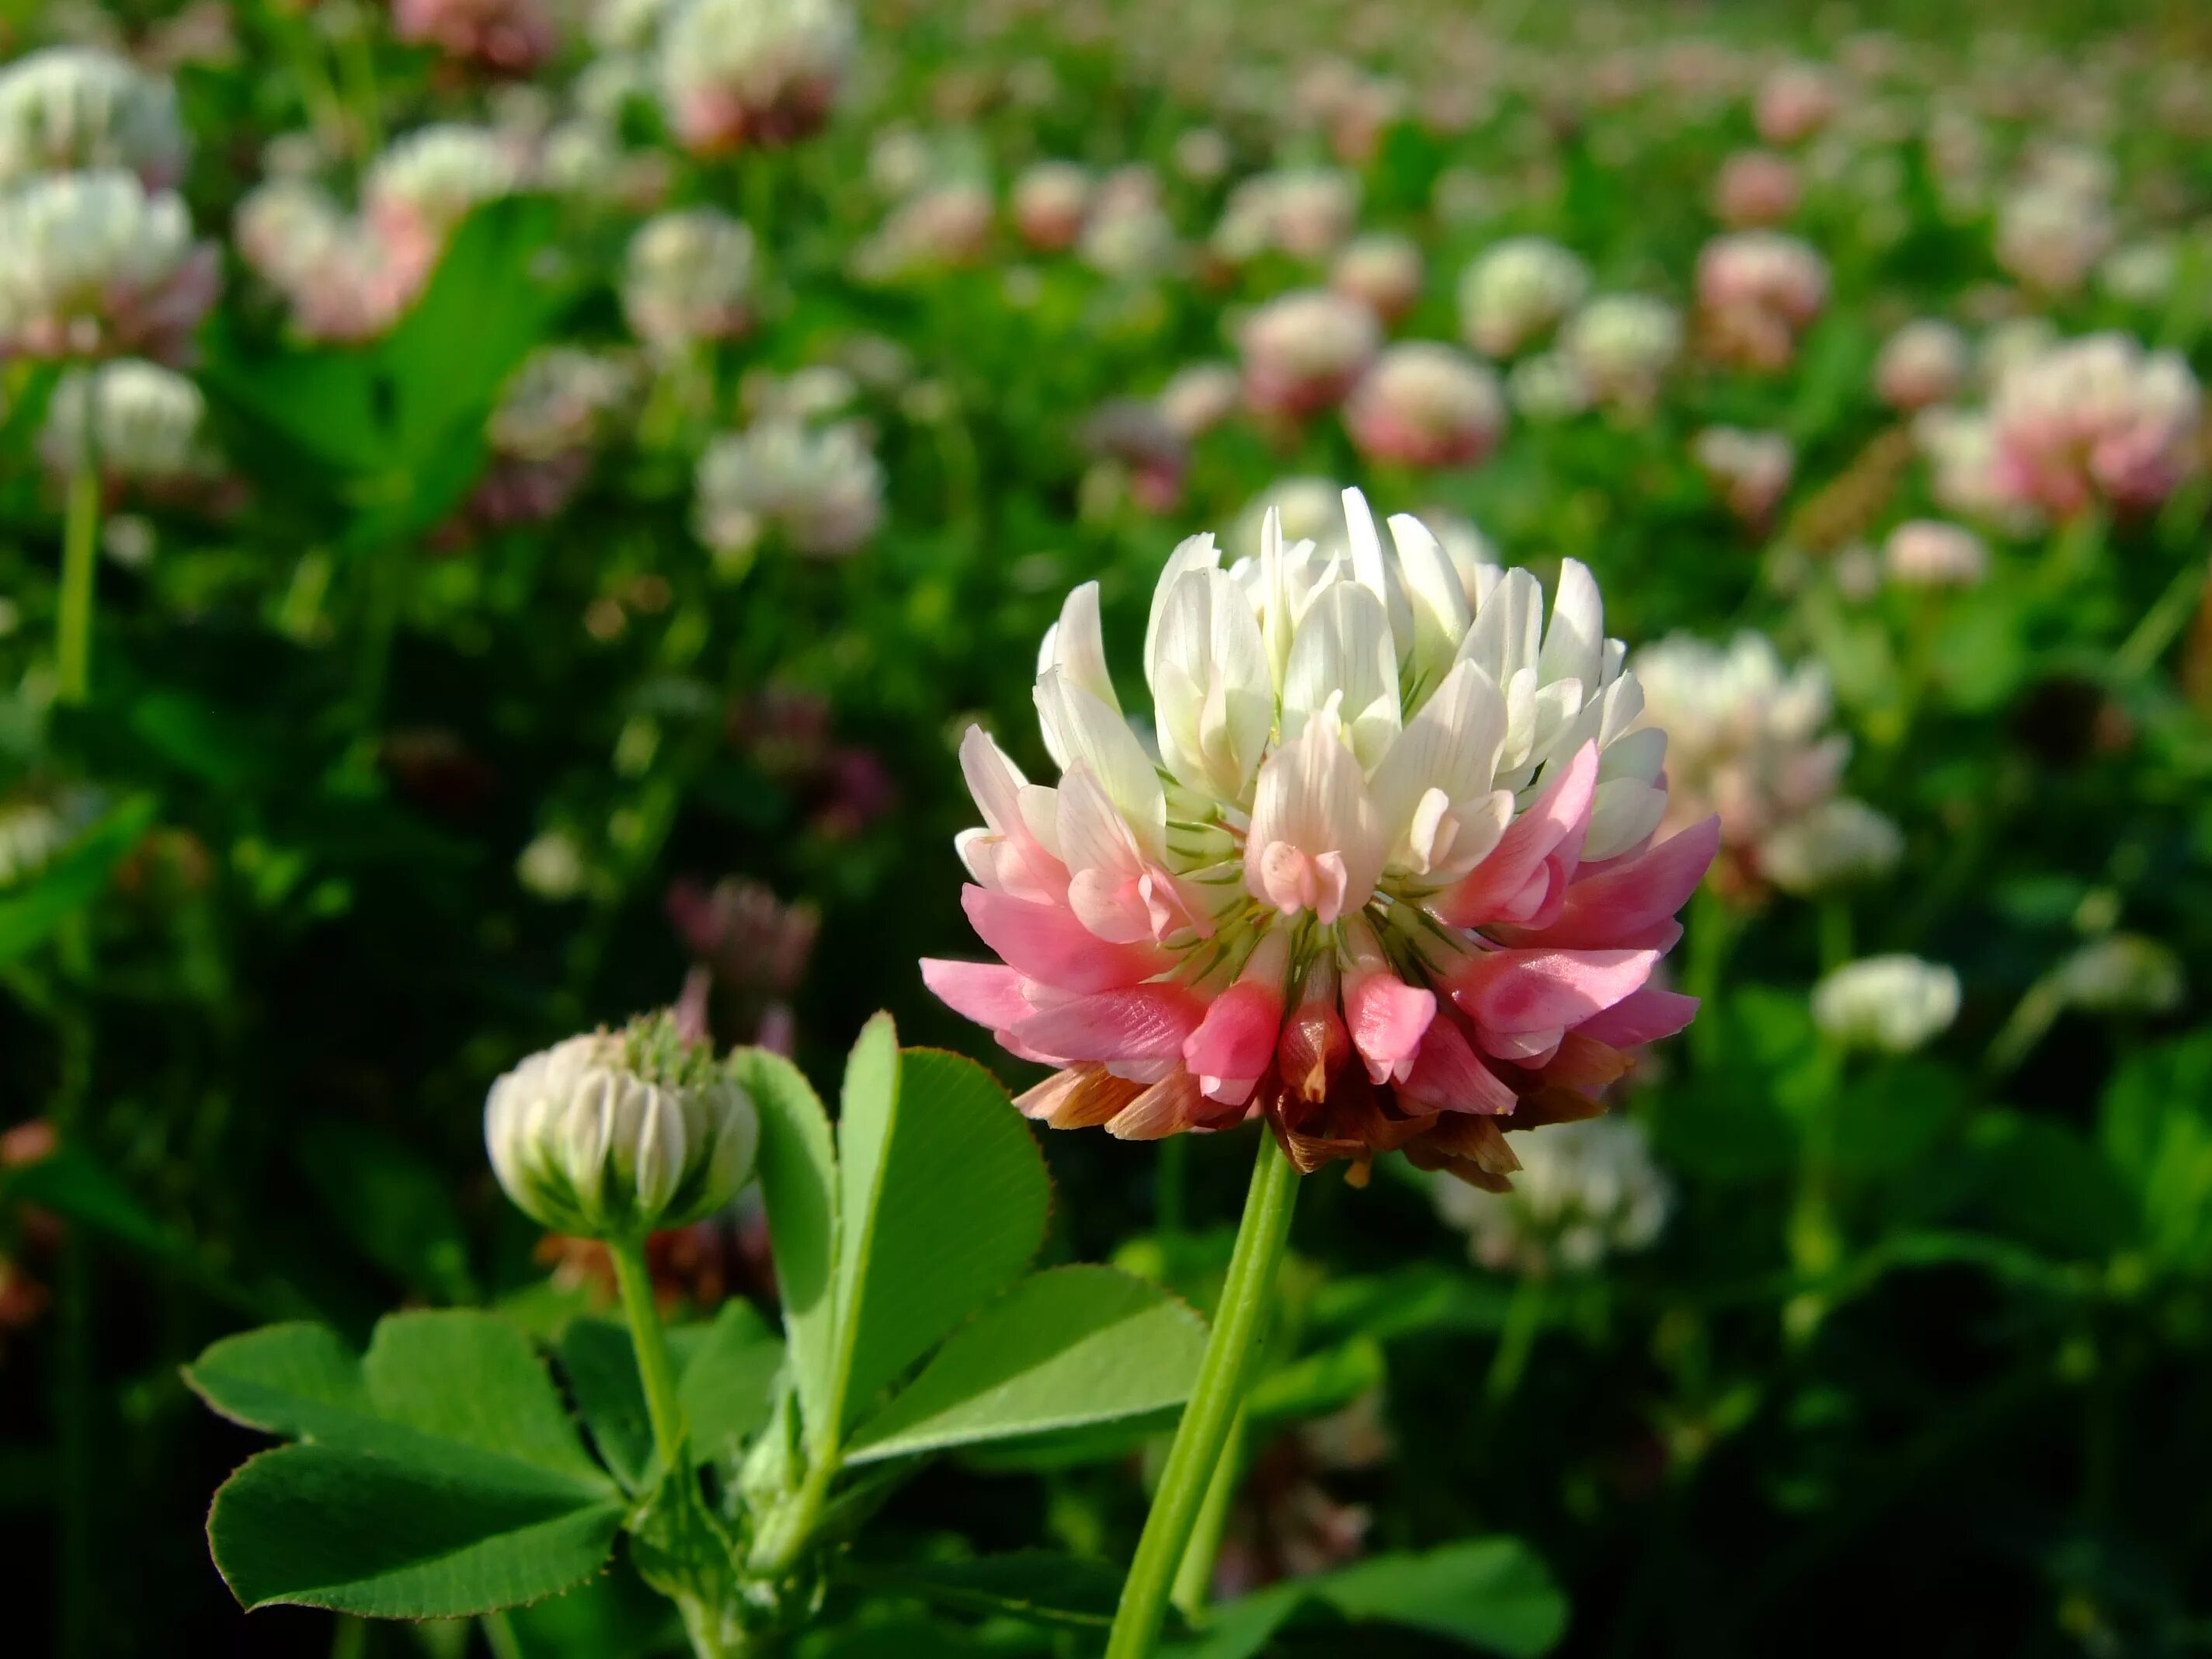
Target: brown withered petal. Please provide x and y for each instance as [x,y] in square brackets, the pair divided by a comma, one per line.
[1553,1105]
[1421,1156]
[1584,1065]
[1476,1139]
[1168,1107]
[1080,1098]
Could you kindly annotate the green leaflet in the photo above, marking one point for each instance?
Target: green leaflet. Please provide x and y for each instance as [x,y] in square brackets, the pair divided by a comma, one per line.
[438,1474]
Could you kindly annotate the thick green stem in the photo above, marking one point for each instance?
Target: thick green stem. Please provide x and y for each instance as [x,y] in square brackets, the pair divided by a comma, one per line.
[1194,1577]
[80,561]
[1214,1401]
[655,1369]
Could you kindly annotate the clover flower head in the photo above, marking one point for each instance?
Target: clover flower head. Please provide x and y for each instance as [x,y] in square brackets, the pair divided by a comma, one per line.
[1304,350]
[1426,405]
[2096,418]
[1051,199]
[135,422]
[1747,736]
[1382,271]
[1516,290]
[617,1133]
[1585,1191]
[745,73]
[1621,345]
[513,36]
[1934,553]
[98,266]
[1891,1004]
[1756,187]
[819,488]
[1305,213]
[77,109]
[687,277]
[1391,881]
[1924,362]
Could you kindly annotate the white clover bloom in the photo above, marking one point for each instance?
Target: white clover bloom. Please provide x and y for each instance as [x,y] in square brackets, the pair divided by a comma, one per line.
[2098,418]
[76,109]
[1129,235]
[424,184]
[1931,553]
[2123,973]
[627,25]
[1200,397]
[820,489]
[619,1134]
[1050,201]
[2142,273]
[1426,405]
[1746,737]
[96,266]
[1516,290]
[2051,236]
[1924,362]
[1303,351]
[1304,212]
[563,399]
[1893,1004]
[1622,345]
[1382,820]
[1382,271]
[1546,387]
[1835,842]
[132,420]
[748,73]
[688,275]
[1585,1191]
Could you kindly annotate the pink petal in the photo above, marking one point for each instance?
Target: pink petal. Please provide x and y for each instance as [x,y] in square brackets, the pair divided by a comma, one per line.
[985,991]
[1643,1015]
[1448,1076]
[1505,872]
[1230,1050]
[1525,991]
[1142,1022]
[1632,904]
[1388,1019]
[1047,943]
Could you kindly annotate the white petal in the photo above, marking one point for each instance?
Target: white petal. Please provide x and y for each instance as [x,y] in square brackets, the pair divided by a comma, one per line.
[1450,745]
[1622,813]
[1343,649]
[1573,645]
[1640,755]
[1078,648]
[1096,738]
[1192,553]
[1438,600]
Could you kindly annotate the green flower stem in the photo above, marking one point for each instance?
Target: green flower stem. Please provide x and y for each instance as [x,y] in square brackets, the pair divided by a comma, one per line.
[498,1633]
[1194,1577]
[655,1369]
[702,1622]
[80,560]
[1214,1402]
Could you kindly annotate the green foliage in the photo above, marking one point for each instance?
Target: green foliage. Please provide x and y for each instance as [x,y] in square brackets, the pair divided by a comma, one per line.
[435,1475]
[1066,1348]
[1489,1594]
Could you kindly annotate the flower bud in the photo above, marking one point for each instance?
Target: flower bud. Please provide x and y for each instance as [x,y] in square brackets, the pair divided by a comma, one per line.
[620,1132]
